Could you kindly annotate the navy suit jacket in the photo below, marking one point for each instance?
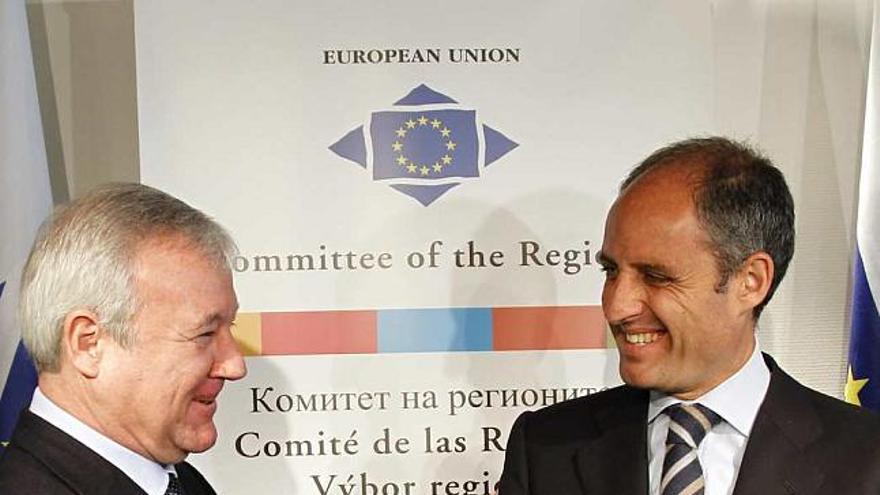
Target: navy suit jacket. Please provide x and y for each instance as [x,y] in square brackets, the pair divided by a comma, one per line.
[802,442]
[43,460]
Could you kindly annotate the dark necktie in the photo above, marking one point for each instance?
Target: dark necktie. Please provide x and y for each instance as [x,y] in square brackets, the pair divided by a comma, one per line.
[688,425]
[174,487]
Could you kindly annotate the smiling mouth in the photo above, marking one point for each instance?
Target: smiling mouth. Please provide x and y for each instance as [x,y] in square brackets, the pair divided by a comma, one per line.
[641,338]
[206,401]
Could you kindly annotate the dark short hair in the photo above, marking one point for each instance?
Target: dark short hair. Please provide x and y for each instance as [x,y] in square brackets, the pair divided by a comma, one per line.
[741,199]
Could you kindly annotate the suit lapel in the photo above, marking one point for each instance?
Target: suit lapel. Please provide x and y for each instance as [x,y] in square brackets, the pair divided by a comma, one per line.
[616,460]
[775,462]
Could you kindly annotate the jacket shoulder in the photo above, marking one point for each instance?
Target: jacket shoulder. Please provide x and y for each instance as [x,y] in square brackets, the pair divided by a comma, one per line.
[789,402]
[849,422]
[21,472]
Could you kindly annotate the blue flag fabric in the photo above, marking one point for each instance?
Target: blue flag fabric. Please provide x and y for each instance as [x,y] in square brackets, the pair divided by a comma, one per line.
[25,200]
[863,380]
[863,375]
[17,393]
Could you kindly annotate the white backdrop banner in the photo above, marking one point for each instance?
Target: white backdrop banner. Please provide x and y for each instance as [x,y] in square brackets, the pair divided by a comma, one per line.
[418,192]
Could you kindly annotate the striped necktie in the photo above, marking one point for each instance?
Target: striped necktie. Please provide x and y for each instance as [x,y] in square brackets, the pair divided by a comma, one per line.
[688,425]
[174,487]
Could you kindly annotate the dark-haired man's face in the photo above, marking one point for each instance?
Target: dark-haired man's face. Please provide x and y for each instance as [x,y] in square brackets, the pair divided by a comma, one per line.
[675,332]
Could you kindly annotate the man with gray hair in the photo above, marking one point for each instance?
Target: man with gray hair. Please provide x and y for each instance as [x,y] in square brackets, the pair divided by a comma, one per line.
[126,308]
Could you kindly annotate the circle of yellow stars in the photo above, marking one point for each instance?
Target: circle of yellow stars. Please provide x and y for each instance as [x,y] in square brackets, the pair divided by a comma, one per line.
[424,169]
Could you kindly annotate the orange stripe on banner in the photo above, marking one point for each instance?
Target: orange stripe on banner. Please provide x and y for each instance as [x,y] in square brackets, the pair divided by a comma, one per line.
[319,332]
[552,327]
[247,331]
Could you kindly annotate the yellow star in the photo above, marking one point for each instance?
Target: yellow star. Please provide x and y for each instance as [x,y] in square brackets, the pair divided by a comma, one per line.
[423,120]
[410,124]
[424,170]
[438,167]
[401,132]
[445,132]
[450,145]
[401,160]
[411,168]
[396,146]
[852,388]
[436,124]
[446,159]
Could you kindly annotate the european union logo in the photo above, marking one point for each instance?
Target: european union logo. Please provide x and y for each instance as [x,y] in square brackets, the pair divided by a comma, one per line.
[426,145]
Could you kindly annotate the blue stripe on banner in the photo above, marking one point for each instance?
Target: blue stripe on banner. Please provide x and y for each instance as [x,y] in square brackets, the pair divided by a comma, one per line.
[435,330]
[17,393]
[864,346]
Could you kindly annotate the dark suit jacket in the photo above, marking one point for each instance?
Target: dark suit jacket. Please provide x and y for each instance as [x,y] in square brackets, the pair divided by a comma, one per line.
[43,460]
[802,443]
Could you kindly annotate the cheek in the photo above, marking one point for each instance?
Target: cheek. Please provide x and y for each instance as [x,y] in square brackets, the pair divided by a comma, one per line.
[194,374]
[194,360]
[672,308]
[684,318]
[701,323]
[126,374]
[180,382]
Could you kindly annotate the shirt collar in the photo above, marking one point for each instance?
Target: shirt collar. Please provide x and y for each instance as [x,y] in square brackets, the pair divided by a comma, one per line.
[151,476]
[736,399]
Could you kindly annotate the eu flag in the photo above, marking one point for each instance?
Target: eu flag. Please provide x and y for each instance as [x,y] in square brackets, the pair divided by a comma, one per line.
[863,374]
[424,147]
[434,144]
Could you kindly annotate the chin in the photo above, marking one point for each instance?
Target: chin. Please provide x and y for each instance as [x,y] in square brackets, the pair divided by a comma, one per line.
[200,440]
[635,379]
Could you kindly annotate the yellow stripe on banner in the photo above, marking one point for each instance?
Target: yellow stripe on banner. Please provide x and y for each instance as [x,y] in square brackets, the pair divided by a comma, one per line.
[248,332]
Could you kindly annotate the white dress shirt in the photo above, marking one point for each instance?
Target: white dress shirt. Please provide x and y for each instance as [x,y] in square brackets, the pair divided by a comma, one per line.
[150,476]
[737,401]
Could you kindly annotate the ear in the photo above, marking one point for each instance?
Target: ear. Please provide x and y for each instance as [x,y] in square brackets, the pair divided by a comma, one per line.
[80,341]
[755,278]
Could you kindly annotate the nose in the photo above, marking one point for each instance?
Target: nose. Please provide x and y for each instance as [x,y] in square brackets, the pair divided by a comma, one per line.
[229,363]
[623,299]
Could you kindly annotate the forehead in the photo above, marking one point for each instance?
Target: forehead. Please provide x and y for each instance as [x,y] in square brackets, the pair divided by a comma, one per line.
[656,216]
[174,269]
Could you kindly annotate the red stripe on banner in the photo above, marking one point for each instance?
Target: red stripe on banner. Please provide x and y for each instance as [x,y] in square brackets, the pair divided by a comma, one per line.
[319,332]
[551,327]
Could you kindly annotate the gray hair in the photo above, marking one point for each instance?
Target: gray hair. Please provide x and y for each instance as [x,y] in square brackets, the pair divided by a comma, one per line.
[741,199]
[83,257]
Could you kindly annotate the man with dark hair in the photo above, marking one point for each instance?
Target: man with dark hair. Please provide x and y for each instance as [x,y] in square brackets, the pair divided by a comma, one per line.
[695,245]
[126,307]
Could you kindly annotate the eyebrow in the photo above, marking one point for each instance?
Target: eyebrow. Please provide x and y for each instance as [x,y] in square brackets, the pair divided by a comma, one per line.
[210,319]
[652,267]
[604,259]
